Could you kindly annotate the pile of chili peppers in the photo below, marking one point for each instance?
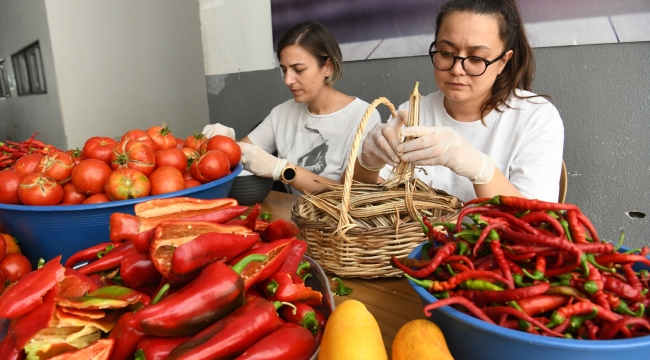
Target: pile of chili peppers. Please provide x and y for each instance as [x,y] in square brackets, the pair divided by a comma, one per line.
[12,151]
[182,279]
[533,266]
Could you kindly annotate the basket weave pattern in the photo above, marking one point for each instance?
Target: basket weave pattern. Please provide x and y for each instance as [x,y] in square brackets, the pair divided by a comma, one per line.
[353,229]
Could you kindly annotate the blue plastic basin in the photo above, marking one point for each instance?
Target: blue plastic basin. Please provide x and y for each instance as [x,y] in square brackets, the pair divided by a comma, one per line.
[48,231]
[469,338]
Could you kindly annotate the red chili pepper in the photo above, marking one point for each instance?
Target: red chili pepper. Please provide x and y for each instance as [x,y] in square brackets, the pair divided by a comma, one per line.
[556,242]
[27,294]
[577,231]
[111,260]
[457,300]
[482,297]
[204,249]
[621,259]
[529,204]
[437,286]
[232,335]
[444,251]
[498,310]
[608,331]
[589,226]
[290,341]
[216,292]
[621,289]
[291,263]
[539,304]
[158,348]
[276,252]
[603,248]
[303,315]
[88,254]
[495,246]
[280,287]
[632,279]
[137,270]
[542,216]
[126,338]
[279,229]
[250,220]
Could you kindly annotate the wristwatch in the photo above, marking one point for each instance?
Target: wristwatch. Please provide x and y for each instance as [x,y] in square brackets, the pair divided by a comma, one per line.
[288,174]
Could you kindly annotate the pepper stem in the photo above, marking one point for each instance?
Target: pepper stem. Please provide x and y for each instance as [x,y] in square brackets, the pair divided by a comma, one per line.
[243,263]
[310,322]
[537,275]
[620,240]
[278,304]
[163,290]
[341,290]
[427,284]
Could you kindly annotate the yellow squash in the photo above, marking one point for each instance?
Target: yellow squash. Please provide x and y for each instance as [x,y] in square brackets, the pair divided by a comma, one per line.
[420,339]
[352,333]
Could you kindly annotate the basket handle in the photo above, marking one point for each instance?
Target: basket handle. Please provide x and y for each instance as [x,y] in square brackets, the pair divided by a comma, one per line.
[349,173]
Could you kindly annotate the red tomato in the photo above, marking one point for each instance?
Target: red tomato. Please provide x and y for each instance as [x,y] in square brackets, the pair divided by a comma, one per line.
[72,196]
[191,155]
[3,247]
[99,148]
[179,143]
[97,199]
[57,165]
[162,137]
[195,141]
[2,282]
[40,190]
[12,245]
[89,176]
[171,157]
[125,183]
[133,154]
[212,165]
[187,175]
[77,155]
[226,145]
[27,164]
[141,136]
[190,183]
[9,181]
[15,266]
[166,179]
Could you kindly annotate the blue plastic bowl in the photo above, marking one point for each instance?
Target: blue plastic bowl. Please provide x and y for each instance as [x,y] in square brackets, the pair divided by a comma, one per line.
[49,231]
[469,338]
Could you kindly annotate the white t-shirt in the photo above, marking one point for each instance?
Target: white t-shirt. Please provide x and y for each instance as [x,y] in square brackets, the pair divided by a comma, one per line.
[525,141]
[318,143]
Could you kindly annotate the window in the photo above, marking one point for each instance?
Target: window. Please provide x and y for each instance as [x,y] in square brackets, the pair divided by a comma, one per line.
[28,68]
[4,85]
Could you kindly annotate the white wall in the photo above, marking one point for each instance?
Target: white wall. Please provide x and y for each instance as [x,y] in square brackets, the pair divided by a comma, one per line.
[237,36]
[125,64]
[21,24]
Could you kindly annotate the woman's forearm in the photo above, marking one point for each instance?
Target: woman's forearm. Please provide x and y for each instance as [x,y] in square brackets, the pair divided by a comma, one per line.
[499,185]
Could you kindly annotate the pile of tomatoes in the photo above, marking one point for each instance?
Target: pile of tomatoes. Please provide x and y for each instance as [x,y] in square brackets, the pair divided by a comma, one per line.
[142,163]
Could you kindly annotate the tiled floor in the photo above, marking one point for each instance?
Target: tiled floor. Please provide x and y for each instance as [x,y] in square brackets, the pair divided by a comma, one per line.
[375,29]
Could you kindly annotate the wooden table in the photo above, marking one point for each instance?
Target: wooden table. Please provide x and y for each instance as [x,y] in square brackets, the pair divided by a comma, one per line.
[391,301]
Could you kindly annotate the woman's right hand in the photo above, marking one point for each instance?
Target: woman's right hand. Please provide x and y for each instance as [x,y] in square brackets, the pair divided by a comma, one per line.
[379,146]
[218,129]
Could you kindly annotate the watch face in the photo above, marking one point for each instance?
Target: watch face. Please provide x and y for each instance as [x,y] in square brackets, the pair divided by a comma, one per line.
[289,174]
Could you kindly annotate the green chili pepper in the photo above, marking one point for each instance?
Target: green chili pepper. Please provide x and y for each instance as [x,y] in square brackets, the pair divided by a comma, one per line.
[474,284]
[553,214]
[620,240]
[425,229]
[40,263]
[591,287]
[565,226]
[425,250]
[463,248]
[266,215]
[450,270]
[341,290]
[441,295]
[523,324]
[577,321]
[632,251]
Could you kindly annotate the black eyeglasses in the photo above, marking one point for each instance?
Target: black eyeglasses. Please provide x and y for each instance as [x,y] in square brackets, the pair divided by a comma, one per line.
[473,65]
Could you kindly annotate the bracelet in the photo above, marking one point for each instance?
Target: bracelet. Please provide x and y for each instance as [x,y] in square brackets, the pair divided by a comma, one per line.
[367,167]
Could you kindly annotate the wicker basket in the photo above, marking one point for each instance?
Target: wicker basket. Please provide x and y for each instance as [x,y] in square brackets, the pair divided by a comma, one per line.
[353,229]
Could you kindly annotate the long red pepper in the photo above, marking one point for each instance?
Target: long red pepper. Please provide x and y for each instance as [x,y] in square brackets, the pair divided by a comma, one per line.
[609,330]
[445,251]
[437,286]
[110,261]
[482,297]
[577,231]
[541,216]
[589,226]
[495,246]
[631,277]
[622,289]
[539,304]
[87,254]
[457,300]
[498,310]
[607,259]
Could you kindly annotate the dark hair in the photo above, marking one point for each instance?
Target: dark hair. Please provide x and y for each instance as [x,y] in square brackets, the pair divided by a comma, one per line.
[520,69]
[318,41]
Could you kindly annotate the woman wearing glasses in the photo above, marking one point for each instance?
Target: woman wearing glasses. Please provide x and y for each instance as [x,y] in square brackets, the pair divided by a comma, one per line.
[313,132]
[483,133]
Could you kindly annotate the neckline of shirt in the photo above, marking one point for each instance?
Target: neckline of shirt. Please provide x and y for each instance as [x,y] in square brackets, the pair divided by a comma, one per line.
[439,110]
[330,114]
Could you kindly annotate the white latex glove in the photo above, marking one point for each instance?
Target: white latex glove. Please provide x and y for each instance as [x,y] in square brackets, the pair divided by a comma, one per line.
[379,146]
[218,129]
[441,145]
[261,163]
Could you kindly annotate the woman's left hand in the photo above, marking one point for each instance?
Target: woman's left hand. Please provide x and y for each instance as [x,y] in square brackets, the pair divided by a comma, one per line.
[441,145]
[261,163]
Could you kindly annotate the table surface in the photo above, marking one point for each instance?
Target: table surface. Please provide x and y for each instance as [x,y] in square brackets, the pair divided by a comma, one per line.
[391,301]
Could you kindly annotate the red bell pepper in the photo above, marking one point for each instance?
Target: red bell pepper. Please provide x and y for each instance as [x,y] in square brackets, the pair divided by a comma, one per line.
[215,293]
[136,270]
[204,249]
[126,338]
[99,350]
[169,235]
[232,335]
[290,341]
[27,294]
[26,327]
[280,287]
[122,226]
[153,212]
[8,350]
[276,251]
[158,348]
[108,297]
[76,284]
[88,254]
[301,314]
[142,241]
[280,229]
[110,261]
